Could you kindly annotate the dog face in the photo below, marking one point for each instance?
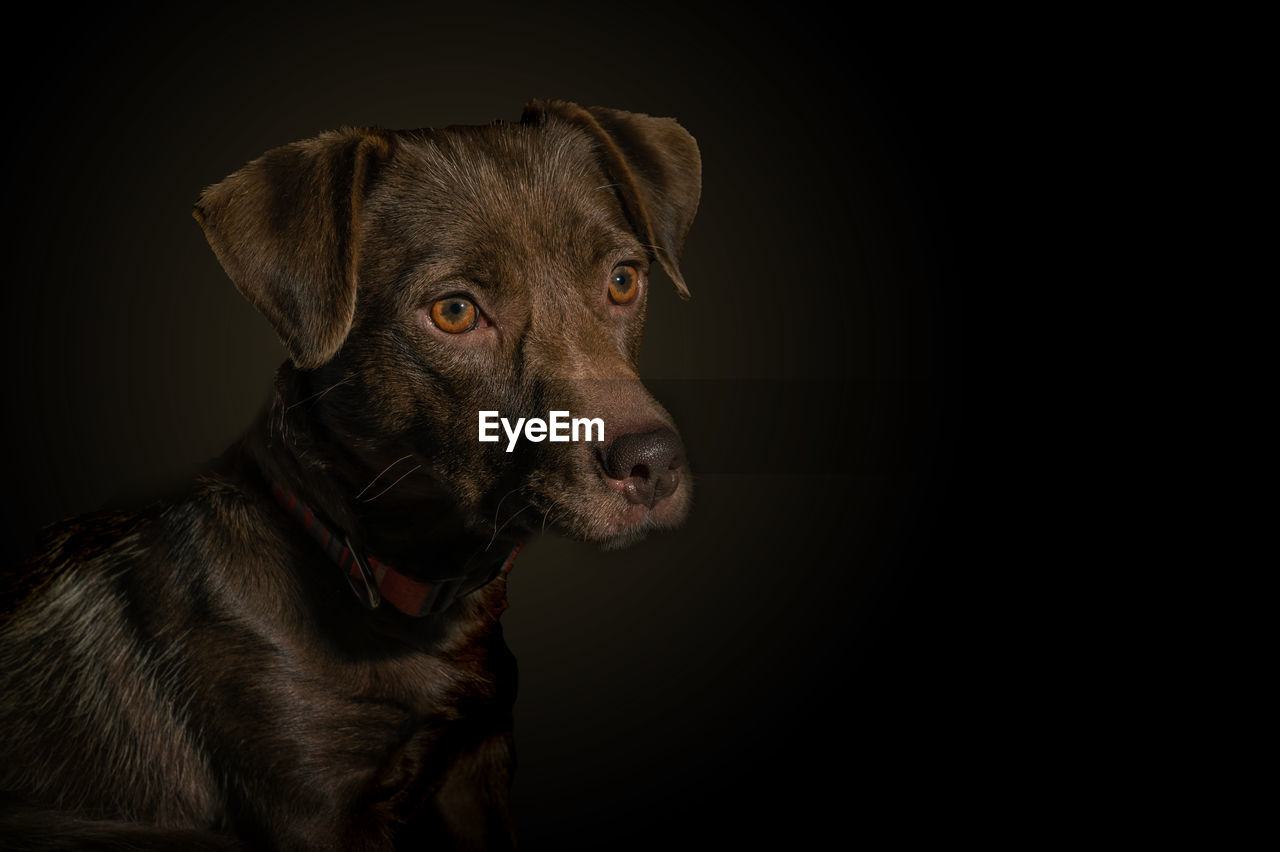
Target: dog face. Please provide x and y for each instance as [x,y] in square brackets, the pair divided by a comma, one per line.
[419,278]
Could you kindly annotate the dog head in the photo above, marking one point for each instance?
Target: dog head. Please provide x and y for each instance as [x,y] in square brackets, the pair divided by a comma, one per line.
[419,278]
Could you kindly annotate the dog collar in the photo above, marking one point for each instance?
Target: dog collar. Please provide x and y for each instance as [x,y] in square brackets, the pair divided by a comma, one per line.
[373,581]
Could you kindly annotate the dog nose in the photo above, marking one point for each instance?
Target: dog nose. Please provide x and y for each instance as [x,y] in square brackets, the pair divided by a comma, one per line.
[647,463]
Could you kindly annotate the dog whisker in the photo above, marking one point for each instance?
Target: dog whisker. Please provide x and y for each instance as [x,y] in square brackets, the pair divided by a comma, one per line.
[548,512]
[394,484]
[504,525]
[379,476]
[319,394]
[497,512]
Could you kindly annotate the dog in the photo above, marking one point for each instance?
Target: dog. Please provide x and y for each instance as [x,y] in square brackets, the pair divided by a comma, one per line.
[303,651]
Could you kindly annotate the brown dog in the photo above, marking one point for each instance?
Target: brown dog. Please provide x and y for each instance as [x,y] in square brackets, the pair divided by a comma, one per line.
[303,652]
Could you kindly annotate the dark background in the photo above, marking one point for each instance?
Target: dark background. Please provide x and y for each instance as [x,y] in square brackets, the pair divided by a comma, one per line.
[804,655]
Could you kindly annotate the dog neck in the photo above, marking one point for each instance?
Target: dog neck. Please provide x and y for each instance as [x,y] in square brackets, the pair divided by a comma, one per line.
[419,541]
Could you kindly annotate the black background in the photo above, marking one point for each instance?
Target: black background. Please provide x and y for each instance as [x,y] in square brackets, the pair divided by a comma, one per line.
[804,655]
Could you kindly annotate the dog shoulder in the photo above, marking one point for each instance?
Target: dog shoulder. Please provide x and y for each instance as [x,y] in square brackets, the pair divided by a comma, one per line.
[90,704]
[80,546]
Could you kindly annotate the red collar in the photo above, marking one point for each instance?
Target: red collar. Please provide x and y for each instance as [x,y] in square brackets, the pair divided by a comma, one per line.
[373,581]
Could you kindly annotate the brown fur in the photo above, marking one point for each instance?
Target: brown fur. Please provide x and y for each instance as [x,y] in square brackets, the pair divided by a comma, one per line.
[198,674]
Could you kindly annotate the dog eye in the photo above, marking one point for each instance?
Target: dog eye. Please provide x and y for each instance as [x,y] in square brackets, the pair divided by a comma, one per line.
[454,314]
[624,284]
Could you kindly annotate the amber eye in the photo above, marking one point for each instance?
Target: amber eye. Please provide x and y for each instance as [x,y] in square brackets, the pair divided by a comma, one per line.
[624,284]
[454,314]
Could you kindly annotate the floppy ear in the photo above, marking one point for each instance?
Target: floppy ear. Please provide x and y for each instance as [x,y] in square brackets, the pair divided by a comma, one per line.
[655,165]
[286,230]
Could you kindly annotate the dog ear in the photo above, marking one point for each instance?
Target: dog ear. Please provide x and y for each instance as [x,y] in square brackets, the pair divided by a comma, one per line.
[654,163]
[286,230]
